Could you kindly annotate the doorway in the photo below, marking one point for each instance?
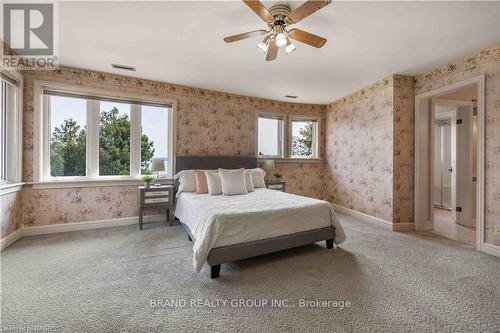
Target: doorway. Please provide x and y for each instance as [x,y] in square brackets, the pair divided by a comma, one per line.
[449,161]
[454,167]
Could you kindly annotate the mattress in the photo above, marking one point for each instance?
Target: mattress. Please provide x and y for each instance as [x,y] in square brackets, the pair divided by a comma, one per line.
[219,220]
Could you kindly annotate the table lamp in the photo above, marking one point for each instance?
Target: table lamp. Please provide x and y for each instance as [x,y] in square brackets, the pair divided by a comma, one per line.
[157,165]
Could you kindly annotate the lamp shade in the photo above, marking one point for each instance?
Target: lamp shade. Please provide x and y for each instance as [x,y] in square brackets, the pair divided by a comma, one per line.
[268,165]
[157,165]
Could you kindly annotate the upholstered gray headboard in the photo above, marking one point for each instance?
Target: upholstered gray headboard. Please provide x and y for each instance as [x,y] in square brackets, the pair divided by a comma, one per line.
[214,162]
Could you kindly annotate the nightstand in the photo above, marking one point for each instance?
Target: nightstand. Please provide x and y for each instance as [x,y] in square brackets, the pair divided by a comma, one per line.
[156,197]
[278,185]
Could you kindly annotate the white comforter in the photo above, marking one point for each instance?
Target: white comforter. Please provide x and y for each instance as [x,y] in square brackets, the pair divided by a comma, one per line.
[217,221]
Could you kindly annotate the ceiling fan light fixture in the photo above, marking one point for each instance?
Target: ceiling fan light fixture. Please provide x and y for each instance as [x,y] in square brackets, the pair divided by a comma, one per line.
[263,45]
[281,40]
[278,34]
[290,48]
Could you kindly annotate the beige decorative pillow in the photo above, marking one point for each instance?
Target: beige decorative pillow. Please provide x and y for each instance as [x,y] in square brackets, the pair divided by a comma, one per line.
[201,182]
[248,180]
[187,181]
[233,181]
[258,178]
[213,182]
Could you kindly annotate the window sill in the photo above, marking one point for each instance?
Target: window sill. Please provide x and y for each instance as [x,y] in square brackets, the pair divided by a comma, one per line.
[54,184]
[7,188]
[291,160]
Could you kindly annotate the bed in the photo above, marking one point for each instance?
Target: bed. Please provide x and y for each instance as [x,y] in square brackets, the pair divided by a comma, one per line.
[231,228]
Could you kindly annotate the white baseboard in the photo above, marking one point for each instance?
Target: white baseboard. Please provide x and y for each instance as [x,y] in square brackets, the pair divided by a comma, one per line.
[363,217]
[10,238]
[494,250]
[75,226]
[375,220]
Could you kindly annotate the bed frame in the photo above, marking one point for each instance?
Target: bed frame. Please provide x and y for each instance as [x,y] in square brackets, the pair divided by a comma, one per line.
[225,254]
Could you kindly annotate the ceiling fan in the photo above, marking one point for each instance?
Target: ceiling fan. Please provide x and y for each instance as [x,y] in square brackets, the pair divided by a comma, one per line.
[278,19]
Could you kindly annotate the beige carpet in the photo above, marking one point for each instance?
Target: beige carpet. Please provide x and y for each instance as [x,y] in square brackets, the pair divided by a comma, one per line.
[106,280]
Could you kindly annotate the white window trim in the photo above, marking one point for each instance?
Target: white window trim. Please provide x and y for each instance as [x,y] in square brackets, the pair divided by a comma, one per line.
[41,177]
[316,136]
[281,139]
[14,153]
[286,138]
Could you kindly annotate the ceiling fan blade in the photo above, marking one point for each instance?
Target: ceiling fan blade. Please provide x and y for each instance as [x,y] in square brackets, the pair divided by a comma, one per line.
[272,50]
[245,35]
[307,38]
[306,9]
[259,9]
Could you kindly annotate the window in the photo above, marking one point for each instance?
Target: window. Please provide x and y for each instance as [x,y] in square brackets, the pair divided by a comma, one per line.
[304,138]
[68,128]
[298,140]
[154,139]
[10,127]
[270,136]
[92,137]
[3,130]
[114,139]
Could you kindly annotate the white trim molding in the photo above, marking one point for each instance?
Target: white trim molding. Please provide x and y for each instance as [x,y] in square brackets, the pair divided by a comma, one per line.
[363,217]
[422,209]
[7,188]
[10,238]
[491,249]
[76,226]
[41,144]
[400,227]
[14,127]
[102,181]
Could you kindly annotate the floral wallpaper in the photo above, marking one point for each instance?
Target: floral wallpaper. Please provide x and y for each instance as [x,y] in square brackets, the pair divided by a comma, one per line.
[359,150]
[10,213]
[208,123]
[369,150]
[403,135]
[367,146]
[303,178]
[486,61]
[79,204]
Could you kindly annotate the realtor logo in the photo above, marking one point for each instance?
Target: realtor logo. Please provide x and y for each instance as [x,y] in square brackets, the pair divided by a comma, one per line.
[29,28]
[30,36]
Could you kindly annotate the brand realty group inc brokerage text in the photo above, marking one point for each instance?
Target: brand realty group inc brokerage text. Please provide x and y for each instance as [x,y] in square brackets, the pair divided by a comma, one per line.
[248,303]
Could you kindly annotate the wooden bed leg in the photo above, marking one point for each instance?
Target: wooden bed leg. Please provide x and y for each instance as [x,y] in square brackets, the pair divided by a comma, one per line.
[329,243]
[214,271]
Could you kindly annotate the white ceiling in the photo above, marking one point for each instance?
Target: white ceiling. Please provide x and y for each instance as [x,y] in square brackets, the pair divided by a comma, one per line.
[181,42]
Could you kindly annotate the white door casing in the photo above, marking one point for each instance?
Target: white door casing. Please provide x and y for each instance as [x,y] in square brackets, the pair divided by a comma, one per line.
[454,170]
[464,165]
[422,213]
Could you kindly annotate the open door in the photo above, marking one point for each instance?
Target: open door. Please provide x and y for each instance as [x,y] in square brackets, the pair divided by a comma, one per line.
[453,167]
[464,163]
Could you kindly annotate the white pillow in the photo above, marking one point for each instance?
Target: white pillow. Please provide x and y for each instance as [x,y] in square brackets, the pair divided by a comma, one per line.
[248,180]
[187,181]
[258,178]
[233,181]
[213,182]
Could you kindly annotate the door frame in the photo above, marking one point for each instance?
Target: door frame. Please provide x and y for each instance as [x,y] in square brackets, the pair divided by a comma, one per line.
[440,102]
[423,168]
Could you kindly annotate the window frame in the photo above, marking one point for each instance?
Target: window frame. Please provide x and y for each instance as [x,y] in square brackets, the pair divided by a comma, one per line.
[281,134]
[316,136]
[41,172]
[286,137]
[13,142]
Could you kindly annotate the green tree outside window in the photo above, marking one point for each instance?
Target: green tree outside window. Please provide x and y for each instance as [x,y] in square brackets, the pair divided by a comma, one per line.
[68,147]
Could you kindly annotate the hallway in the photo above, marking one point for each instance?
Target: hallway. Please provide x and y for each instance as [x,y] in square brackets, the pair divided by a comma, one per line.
[445,226]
